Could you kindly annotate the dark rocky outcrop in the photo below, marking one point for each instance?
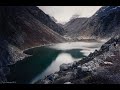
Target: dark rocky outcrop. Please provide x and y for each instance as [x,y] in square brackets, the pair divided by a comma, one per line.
[9,54]
[100,67]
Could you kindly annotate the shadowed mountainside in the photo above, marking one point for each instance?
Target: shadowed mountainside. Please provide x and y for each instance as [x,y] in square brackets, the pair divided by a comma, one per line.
[23,27]
[104,24]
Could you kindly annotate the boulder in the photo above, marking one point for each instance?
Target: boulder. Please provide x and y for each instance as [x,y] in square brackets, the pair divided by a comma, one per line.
[74,64]
[50,77]
[47,82]
[55,76]
[84,68]
[64,67]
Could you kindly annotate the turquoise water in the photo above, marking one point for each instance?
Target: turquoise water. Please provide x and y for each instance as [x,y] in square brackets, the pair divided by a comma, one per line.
[47,59]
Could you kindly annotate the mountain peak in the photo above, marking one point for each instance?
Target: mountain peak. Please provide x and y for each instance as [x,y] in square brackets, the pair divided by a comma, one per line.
[104,24]
[19,24]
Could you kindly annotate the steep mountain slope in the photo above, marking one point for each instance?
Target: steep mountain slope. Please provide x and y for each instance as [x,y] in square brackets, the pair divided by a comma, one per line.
[53,19]
[74,25]
[23,27]
[100,67]
[105,23]
[46,19]
[61,25]
[20,26]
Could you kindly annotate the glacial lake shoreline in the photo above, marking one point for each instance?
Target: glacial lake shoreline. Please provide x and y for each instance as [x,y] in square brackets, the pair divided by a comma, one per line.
[45,60]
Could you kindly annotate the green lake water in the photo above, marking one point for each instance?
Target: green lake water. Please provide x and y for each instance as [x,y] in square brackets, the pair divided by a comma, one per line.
[47,59]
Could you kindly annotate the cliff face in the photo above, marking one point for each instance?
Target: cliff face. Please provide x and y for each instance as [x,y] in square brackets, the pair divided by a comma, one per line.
[100,67]
[23,27]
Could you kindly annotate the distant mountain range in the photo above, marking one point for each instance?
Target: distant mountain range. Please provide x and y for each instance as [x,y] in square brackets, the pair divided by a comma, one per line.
[105,23]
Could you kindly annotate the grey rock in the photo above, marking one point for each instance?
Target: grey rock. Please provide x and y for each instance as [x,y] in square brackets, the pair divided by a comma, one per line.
[84,68]
[64,67]
[47,82]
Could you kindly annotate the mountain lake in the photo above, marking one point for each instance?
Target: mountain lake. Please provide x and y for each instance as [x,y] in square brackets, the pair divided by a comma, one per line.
[45,60]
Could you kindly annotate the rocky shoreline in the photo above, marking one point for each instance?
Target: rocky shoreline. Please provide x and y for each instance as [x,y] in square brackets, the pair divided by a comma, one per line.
[78,72]
[100,67]
[9,56]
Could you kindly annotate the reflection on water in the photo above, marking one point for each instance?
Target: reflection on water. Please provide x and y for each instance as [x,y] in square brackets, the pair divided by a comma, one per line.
[23,71]
[75,53]
[61,58]
[46,60]
[76,45]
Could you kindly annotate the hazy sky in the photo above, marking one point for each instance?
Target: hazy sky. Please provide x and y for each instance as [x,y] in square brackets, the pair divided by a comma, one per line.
[64,13]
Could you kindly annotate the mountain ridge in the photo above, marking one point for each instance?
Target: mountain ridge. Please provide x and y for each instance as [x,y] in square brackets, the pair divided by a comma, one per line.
[21,28]
[104,24]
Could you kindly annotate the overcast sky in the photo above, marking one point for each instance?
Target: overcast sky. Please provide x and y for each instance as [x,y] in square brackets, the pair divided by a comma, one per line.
[64,13]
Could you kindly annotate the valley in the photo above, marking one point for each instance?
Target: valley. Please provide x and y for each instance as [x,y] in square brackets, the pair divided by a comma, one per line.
[36,49]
